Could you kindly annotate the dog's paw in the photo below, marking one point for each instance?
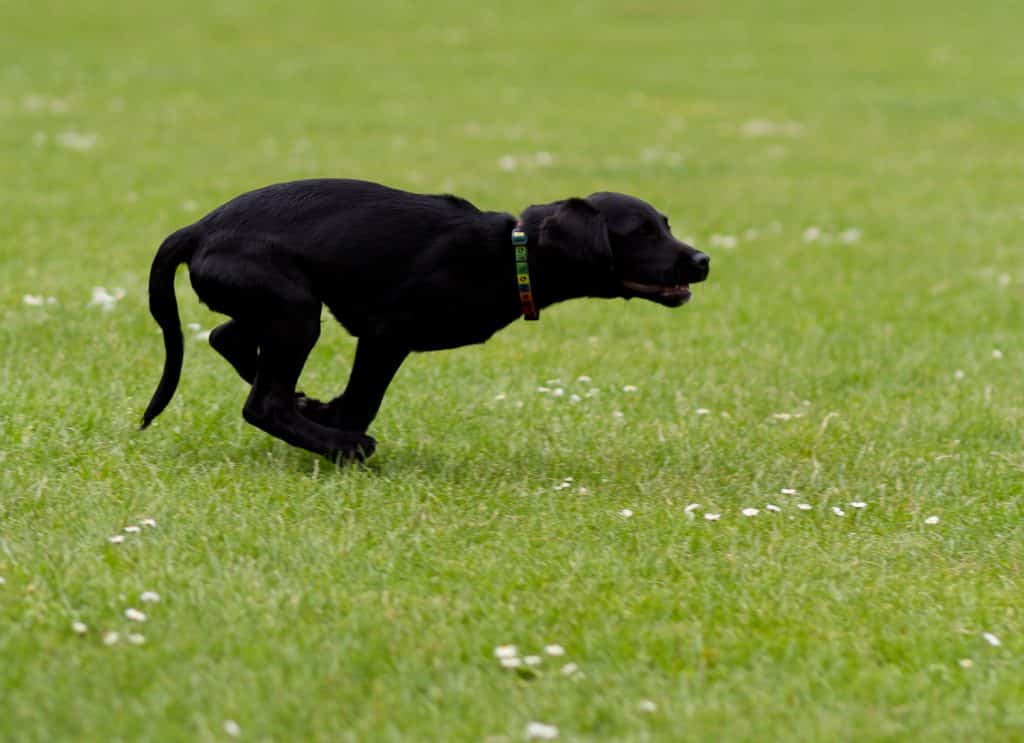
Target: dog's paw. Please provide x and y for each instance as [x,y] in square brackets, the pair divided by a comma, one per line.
[314,410]
[354,447]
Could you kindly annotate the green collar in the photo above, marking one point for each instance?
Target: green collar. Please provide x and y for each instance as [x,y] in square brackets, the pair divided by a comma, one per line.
[519,239]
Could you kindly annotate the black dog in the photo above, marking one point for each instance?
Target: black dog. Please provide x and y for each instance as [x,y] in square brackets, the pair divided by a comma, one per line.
[400,271]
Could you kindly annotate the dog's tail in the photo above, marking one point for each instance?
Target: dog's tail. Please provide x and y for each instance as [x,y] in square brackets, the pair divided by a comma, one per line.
[175,250]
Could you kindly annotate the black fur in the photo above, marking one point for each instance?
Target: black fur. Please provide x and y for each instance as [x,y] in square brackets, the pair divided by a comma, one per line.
[402,272]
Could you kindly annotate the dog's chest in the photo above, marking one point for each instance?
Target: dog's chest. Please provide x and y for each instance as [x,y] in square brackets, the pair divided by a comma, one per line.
[439,327]
[432,326]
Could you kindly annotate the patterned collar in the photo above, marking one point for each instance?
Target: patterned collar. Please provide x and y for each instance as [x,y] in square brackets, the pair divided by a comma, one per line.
[519,240]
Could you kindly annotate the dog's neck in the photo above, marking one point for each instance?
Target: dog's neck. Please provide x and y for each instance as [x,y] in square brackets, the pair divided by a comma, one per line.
[553,278]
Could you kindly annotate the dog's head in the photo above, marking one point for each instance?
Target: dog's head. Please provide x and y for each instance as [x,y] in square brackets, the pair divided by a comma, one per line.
[649,261]
[626,245]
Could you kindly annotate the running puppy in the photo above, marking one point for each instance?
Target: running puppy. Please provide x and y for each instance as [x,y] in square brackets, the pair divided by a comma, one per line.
[400,271]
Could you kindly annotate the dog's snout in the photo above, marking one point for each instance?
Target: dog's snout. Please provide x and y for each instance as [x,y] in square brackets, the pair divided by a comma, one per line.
[700,265]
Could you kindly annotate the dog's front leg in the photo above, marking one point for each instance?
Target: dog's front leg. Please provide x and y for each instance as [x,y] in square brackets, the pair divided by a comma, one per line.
[377,360]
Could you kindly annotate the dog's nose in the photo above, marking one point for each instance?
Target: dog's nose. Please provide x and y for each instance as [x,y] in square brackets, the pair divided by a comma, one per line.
[702,264]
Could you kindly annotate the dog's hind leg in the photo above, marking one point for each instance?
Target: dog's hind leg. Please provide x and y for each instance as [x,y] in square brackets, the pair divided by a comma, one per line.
[377,360]
[286,324]
[238,345]
[273,304]
[285,343]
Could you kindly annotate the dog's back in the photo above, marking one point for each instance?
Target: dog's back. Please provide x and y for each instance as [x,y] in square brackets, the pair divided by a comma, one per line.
[336,209]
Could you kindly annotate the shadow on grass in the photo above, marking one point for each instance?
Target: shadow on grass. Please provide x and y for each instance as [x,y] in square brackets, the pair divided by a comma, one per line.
[490,460]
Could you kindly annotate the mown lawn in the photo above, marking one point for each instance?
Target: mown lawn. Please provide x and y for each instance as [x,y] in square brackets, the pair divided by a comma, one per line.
[855,171]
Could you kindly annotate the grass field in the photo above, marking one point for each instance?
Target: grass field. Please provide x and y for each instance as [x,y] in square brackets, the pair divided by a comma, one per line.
[856,173]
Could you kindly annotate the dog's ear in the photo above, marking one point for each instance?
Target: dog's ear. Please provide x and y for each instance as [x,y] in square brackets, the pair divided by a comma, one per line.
[578,233]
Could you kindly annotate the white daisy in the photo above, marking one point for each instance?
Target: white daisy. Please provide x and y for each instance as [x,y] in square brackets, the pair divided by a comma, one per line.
[506,651]
[510,662]
[543,159]
[583,379]
[932,520]
[772,507]
[646,705]
[569,669]
[750,512]
[712,516]
[804,506]
[997,354]
[630,388]
[111,638]
[838,511]
[858,504]
[790,491]
[136,639]
[554,650]
[134,615]
[691,508]
[540,731]
[148,523]
[625,513]
[532,660]
[232,728]
[992,639]
[116,539]
[850,235]
[79,628]
[149,597]
[722,241]
[80,141]
[105,299]
[132,529]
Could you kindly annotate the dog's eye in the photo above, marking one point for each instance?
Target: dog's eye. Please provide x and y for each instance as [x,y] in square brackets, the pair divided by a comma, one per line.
[647,229]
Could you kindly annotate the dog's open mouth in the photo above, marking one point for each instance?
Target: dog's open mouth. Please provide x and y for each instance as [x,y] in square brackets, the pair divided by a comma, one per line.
[670,295]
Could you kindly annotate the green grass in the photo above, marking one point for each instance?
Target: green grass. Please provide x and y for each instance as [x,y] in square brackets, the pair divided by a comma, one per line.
[308,602]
